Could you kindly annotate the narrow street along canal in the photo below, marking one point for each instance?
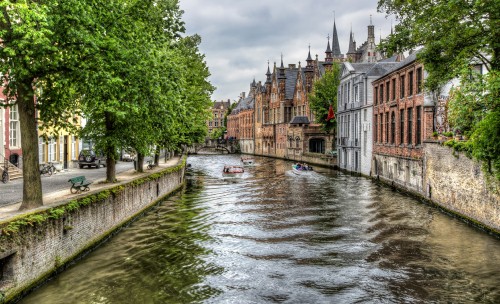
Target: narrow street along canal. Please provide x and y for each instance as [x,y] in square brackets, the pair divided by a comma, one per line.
[271,236]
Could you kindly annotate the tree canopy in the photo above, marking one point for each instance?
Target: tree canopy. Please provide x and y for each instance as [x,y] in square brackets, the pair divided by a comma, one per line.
[454,37]
[123,64]
[324,95]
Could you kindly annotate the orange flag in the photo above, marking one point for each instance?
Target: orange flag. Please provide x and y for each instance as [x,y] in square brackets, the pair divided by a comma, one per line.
[331,114]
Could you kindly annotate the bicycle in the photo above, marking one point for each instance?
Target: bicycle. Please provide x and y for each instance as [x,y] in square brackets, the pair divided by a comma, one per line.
[47,169]
[5,176]
[151,164]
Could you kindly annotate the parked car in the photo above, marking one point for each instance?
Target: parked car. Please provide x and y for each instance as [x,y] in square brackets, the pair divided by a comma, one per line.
[91,159]
[128,157]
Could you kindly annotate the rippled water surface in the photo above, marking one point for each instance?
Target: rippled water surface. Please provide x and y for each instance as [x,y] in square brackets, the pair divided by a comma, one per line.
[271,236]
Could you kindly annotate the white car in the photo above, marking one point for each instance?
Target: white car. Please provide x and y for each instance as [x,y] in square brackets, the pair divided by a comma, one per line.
[128,157]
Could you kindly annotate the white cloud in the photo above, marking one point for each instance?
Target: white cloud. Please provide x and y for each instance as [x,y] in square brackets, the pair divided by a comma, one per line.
[240,36]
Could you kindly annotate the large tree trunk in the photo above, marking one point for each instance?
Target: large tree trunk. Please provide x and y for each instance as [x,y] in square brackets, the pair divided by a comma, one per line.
[140,162]
[110,148]
[157,155]
[32,184]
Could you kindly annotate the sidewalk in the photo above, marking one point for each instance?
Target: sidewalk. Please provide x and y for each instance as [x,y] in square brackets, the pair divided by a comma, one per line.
[61,196]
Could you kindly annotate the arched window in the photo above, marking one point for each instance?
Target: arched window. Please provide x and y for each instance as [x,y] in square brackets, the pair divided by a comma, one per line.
[317,145]
[297,142]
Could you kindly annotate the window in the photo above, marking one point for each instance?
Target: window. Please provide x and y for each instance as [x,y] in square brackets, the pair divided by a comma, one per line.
[381,128]
[393,128]
[317,146]
[61,149]
[14,127]
[402,126]
[410,126]
[387,127]
[348,92]
[402,86]
[410,83]
[381,93]
[356,93]
[394,89]
[375,130]
[364,114]
[52,150]
[376,95]
[387,91]
[73,147]
[419,127]
[356,128]
[419,80]
[348,125]
[41,150]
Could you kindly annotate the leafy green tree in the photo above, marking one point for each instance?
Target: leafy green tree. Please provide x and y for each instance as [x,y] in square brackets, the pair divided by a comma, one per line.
[136,95]
[452,33]
[43,45]
[456,35]
[324,95]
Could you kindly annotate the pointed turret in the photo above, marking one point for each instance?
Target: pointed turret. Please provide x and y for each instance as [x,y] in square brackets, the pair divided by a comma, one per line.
[309,59]
[282,69]
[328,49]
[352,44]
[328,53]
[335,42]
[268,74]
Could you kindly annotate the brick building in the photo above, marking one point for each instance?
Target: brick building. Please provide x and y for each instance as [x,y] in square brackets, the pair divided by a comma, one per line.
[403,118]
[240,123]
[219,109]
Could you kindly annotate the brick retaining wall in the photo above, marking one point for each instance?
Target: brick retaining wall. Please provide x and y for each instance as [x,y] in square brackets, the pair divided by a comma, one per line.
[458,183]
[44,242]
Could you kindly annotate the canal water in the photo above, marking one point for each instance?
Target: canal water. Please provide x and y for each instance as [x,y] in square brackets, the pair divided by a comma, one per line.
[270,236]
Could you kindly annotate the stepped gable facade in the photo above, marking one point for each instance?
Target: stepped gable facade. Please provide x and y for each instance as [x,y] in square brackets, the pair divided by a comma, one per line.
[219,109]
[240,123]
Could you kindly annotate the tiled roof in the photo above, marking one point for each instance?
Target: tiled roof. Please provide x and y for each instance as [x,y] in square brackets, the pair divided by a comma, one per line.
[300,120]
[408,60]
[218,104]
[291,78]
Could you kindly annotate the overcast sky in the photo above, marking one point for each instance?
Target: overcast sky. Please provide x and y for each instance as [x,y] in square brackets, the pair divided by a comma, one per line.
[240,36]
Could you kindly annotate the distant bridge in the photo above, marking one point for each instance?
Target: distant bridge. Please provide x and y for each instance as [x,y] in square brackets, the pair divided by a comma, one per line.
[221,147]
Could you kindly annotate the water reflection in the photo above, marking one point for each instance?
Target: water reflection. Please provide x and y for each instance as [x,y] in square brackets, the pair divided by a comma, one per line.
[272,237]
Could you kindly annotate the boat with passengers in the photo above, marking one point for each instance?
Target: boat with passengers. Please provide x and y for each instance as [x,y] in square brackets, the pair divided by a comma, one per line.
[233,170]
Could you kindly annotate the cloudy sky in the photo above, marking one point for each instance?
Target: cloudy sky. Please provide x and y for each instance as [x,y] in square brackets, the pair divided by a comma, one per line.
[240,36]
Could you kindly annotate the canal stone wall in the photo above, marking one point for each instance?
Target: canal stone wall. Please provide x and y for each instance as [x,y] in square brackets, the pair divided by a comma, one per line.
[458,184]
[37,245]
[405,173]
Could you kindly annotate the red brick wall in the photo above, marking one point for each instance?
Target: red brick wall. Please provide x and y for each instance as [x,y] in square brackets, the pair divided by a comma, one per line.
[388,102]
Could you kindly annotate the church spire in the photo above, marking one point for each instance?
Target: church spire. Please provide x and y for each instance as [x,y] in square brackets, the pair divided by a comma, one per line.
[335,41]
[352,44]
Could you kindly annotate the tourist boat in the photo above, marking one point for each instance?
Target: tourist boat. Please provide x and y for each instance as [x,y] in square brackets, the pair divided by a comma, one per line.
[230,170]
[248,161]
[299,168]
